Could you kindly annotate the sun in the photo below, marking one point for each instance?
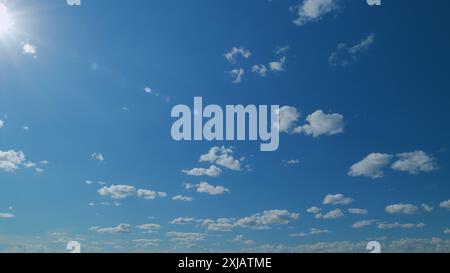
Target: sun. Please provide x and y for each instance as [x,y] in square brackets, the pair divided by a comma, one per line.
[6,22]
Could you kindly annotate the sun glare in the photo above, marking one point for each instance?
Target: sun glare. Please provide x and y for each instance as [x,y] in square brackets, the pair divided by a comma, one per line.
[5,20]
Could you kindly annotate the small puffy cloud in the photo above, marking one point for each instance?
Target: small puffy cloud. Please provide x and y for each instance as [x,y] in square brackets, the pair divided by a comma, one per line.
[29,49]
[278,66]
[337,199]
[362,224]
[372,166]
[401,209]
[398,225]
[260,70]
[223,157]
[240,239]
[118,191]
[11,160]
[237,74]
[267,218]
[150,195]
[320,123]
[145,243]
[333,214]
[314,210]
[445,204]
[231,55]
[2,124]
[291,162]
[73,2]
[212,171]
[312,231]
[427,207]
[415,162]
[121,228]
[185,238]
[357,211]
[97,156]
[288,117]
[149,228]
[182,220]
[204,187]
[313,10]
[344,54]
[447,231]
[182,198]
[6,216]
[148,90]
[222,224]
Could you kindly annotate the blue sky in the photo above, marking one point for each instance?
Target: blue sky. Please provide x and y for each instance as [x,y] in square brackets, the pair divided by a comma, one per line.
[86,152]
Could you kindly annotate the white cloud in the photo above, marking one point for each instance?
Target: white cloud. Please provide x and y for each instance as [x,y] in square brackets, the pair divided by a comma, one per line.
[337,199]
[344,54]
[314,210]
[357,211]
[222,224]
[398,225]
[242,240]
[288,117]
[2,123]
[362,224]
[313,10]
[118,191]
[320,123]
[427,207]
[6,216]
[223,157]
[212,171]
[267,218]
[278,66]
[147,90]
[204,187]
[73,2]
[401,209]
[97,156]
[291,162]
[182,198]
[237,74]
[11,160]
[29,49]
[260,70]
[186,238]
[447,231]
[150,195]
[415,162]
[312,231]
[237,51]
[149,228]
[445,204]
[121,228]
[182,220]
[371,166]
[333,214]
[145,243]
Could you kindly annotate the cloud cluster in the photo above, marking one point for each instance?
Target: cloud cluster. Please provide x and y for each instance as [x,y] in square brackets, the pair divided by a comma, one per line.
[124,191]
[204,187]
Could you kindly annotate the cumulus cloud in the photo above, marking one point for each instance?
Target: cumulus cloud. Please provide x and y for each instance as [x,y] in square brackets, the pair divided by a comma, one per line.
[231,55]
[182,220]
[260,70]
[185,238]
[398,225]
[357,211]
[221,224]
[415,162]
[362,224]
[372,166]
[11,160]
[320,123]
[291,162]
[288,117]
[117,191]
[149,228]
[223,157]
[445,204]
[314,210]
[121,228]
[204,187]
[29,49]
[401,209]
[427,207]
[97,156]
[240,239]
[312,231]
[212,171]
[313,10]
[73,2]
[267,218]
[344,54]
[337,199]
[150,195]
[2,124]
[278,66]
[182,198]
[333,214]
[237,74]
